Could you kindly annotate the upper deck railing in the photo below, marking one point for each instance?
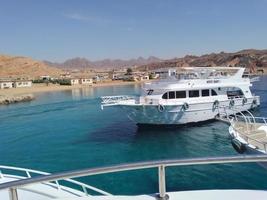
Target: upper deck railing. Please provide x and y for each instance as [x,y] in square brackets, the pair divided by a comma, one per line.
[161,165]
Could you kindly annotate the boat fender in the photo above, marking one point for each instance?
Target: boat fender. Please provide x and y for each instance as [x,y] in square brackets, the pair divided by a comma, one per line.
[254,103]
[238,146]
[231,103]
[244,101]
[185,106]
[215,105]
[161,108]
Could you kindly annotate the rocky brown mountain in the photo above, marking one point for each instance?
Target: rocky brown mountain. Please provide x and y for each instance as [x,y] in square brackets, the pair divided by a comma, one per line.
[11,66]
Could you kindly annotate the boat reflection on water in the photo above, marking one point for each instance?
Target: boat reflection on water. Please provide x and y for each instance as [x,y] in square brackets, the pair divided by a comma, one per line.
[80,93]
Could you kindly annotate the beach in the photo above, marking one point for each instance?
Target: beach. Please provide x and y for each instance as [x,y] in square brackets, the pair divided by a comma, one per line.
[36,88]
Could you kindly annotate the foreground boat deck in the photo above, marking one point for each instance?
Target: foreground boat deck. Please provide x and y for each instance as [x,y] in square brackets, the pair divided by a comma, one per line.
[44,191]
[47,186]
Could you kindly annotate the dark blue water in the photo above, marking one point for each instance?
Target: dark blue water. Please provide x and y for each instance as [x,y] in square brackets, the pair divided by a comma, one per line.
[67,130]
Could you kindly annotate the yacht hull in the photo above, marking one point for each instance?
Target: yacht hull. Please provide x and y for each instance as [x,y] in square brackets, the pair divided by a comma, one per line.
[176,114]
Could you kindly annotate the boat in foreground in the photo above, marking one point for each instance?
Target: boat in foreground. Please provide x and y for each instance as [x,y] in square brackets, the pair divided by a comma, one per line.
[36,185]
[193,95]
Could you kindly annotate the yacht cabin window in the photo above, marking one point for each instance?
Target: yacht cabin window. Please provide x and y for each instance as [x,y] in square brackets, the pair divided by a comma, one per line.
[193,93]
[205,93]
[235,93]
[165,95]
[213,93]
[172,95]
[180,94]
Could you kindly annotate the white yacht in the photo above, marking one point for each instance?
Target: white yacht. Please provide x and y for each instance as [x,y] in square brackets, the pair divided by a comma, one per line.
[26,184]
[193,95]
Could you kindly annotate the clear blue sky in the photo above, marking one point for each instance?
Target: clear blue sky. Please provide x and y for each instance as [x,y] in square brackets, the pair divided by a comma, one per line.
[56,30]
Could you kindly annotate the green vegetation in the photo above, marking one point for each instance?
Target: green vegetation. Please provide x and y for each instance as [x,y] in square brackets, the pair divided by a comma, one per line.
[54,81]
[129,71]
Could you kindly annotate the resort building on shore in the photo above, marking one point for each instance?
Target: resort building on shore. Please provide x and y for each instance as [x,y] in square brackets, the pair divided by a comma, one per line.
[137,77]
[22,83]
[144,78]
[65,75]
[77,81]
[86,81]
[5,84]
[74,81]
[9,83]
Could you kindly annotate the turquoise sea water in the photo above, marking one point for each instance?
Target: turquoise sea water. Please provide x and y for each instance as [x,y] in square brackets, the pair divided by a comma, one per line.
[67,130]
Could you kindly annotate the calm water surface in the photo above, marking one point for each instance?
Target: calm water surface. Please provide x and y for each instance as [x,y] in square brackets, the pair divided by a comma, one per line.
[67,130]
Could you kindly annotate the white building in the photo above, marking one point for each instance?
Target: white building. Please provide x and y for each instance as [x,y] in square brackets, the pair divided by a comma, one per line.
[86,81]
[45,77]
[6,84]
[74,81]
[66,75]
[22,83]
[164,73]
[144,78]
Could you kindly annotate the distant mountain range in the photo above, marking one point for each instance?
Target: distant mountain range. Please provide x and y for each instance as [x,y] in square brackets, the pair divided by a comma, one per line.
[83,63]
[17,66]
[250,58]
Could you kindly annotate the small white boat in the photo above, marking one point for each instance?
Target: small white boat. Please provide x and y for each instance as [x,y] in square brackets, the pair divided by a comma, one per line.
[195,95]
[36,185]
[248,133]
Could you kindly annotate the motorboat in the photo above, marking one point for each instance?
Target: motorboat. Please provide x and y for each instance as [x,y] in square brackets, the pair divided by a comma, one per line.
[248,133]
[190,95]
[26,184]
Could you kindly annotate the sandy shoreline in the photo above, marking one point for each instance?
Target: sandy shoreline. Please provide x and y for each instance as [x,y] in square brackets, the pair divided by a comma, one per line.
[37,88]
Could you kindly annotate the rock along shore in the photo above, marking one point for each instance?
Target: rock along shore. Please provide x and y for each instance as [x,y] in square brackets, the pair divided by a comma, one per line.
[5,100]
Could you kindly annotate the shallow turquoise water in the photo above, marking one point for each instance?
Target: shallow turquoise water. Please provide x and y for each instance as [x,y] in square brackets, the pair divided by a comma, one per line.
[67,130]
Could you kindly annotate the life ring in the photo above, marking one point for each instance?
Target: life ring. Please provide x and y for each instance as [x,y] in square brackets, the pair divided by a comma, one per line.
[161,108]
[185,106]
[244,101]
[231,103]
[238,146]
[215,105]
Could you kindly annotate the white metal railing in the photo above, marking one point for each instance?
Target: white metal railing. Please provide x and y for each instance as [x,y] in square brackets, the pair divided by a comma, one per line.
[258,119]
[115,100]
[161,165]
[30,172]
